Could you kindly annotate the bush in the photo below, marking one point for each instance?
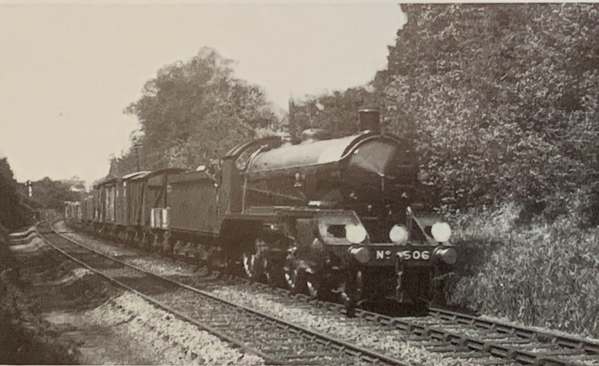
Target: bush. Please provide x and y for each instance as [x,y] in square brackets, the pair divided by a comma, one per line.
[540,274]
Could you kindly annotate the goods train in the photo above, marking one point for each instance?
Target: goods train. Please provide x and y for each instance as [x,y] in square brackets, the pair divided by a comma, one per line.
[325,216]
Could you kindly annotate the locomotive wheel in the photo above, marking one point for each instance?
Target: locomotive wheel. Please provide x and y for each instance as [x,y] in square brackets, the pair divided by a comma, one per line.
[273,273]
[253,261]
[294,273]
[294,277]
[350,291]
[299,279]
[314,285]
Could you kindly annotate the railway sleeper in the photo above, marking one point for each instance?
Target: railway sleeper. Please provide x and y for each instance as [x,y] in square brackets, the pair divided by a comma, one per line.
[466,354]
[445,349]
[257,338]
[495,361]
[300,362]
[417,338]
[317,349]
[560,352]
[498,337]
[299,356]
[519,342]
[430,343]
[220,325]
[582,358]
[432,322]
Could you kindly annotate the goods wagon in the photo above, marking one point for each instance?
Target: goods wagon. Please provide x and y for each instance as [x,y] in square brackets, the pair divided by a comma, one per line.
[148,205]
[72,211]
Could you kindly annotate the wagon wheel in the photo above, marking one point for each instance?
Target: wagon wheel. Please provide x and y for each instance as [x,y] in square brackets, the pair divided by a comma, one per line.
[216,262]
[253,260]
[145,241]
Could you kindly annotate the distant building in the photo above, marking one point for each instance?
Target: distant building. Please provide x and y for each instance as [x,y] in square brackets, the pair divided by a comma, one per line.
[75,184]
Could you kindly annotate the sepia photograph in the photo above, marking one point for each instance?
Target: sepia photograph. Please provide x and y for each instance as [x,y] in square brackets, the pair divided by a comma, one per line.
[299,182]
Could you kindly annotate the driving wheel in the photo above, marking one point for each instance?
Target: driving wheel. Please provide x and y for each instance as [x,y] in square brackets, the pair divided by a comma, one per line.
[253,260]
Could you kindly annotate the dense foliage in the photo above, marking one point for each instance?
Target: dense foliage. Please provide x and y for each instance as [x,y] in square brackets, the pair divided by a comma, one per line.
[194,111]
[503,100]
[539,274]
[51,194]
[13,213]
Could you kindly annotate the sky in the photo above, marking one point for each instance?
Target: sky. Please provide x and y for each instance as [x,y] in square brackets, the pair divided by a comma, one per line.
[68,70]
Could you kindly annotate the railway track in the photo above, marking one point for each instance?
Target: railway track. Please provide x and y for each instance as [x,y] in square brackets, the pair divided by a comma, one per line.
[537,346]
[468,336]
[273,339]
[462,336]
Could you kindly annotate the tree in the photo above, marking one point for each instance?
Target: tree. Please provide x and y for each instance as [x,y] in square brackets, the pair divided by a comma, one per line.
[500,98]
[335,112]
[193,111]
[53,194]
[12,213]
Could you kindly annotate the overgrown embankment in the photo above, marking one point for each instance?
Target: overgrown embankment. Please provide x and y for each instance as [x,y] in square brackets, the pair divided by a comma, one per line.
[24,337]
[540,274]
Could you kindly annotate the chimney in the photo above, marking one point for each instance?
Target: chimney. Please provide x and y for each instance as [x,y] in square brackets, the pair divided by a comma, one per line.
[369,120]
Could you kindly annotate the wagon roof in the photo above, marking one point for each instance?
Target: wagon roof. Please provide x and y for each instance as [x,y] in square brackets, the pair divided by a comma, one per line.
[148,175]
[134,175]
[106,180]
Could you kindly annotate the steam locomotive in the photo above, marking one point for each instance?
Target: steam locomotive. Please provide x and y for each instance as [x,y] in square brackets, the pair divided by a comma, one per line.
[326,216]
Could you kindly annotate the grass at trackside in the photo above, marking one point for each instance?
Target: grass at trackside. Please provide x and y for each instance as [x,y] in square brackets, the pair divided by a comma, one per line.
[540,274]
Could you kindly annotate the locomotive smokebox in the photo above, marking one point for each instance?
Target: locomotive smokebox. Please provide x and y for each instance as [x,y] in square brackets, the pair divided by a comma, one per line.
[370,119]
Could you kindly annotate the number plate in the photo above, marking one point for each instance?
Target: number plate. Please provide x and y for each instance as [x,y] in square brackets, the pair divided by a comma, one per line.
[406,255]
